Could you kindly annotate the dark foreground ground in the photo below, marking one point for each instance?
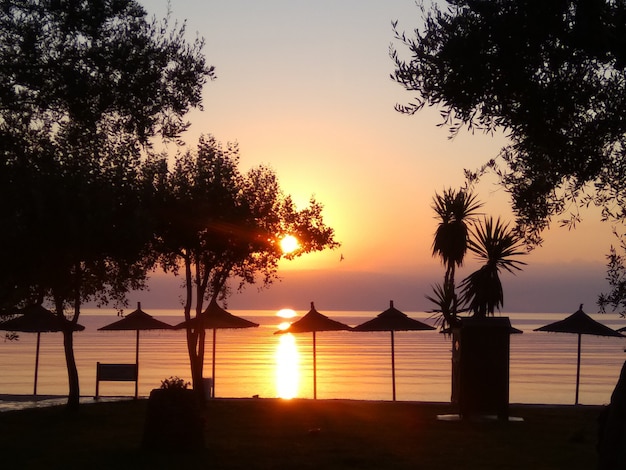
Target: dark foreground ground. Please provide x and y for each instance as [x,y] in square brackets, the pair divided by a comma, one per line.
[304,434]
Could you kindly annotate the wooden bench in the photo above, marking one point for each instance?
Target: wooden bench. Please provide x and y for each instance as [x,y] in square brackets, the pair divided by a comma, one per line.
[115,373]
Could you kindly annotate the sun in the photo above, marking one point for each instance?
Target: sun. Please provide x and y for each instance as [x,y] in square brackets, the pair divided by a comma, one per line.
[289,244]
[286,313]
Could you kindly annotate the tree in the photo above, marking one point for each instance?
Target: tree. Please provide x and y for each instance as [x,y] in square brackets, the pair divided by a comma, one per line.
[84,87]
[478,355]
[455,211]
[494,244]
[552,76]
[217,225]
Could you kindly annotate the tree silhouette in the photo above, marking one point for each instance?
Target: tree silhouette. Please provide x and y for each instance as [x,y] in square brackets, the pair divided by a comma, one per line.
[552,77]
[84,87]
[494,244]
[455,211]
[219,226]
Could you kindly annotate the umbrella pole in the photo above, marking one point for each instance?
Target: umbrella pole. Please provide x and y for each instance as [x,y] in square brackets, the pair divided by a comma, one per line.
[137,366]
[393,366]
[36,363]
[314,369]
[213,366]
[578,370]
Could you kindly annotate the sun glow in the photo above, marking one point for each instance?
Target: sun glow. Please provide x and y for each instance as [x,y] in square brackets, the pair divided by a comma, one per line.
[287,367]
[289,244]
[286,313]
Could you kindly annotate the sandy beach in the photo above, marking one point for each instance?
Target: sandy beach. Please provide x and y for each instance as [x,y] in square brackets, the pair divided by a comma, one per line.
[305,433]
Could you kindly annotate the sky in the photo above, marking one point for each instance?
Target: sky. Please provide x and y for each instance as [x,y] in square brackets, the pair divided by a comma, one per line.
[305,88]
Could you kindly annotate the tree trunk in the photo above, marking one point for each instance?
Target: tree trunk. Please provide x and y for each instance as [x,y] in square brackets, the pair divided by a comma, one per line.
[612,429]
[192,341]
[73,397]
[195,364]
[198,385]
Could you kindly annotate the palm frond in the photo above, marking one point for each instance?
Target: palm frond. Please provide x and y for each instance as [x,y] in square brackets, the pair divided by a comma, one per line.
[446,303]
[455,210]
[495,243]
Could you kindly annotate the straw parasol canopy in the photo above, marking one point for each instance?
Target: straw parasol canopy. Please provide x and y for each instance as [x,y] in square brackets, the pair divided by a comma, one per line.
[393,320]
[136,321]
[581,324]
[313,322]
[38,319]
[216,318]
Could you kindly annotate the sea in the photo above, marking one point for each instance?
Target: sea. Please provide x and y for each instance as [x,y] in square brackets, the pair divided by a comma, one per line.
[256,362]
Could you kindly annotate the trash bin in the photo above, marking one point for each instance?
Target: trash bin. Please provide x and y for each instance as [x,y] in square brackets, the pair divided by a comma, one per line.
[480,366]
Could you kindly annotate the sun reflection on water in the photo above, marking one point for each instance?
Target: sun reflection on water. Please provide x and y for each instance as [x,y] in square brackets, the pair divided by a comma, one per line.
[287,367]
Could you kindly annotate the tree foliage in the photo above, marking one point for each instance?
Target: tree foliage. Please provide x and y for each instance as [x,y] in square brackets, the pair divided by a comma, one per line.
[84,87]
[220,226]
[493,243]
[456,211]
[97,66]
[551,76]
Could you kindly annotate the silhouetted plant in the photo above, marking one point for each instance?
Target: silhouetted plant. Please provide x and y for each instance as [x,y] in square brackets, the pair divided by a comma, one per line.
[218,226]
[85,88]
[494,244]
[174,383]
[455,211]
[447,304]
[549,75]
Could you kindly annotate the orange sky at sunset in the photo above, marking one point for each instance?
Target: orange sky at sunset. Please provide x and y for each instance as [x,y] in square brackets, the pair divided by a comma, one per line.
[304,87]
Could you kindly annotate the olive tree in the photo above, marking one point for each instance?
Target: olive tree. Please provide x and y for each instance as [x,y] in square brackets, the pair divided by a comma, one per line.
[84,88]
[552,77]
[221,229]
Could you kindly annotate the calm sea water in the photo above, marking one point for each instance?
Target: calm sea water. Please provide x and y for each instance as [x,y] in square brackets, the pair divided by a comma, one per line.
[349,364]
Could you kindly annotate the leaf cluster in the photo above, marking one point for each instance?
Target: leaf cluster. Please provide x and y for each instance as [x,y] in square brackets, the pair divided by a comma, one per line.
[84,86]
[226,223]
[492,242]
[97,65]
[552,75]
[174,383]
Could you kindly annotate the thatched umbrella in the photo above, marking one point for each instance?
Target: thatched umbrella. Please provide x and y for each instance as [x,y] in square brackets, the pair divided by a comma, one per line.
[216,318]
[136,321]
[581,324]
[393,320]
[313,322]
[37,319]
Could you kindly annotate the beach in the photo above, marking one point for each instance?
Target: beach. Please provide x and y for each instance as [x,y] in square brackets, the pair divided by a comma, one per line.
[353,424]
[306,434]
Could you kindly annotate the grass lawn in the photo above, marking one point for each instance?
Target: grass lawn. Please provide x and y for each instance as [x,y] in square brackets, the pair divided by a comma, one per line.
[305,434]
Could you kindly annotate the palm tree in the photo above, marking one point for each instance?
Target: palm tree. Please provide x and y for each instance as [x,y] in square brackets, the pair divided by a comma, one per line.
[455,210]
[495,244]
[446,305]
